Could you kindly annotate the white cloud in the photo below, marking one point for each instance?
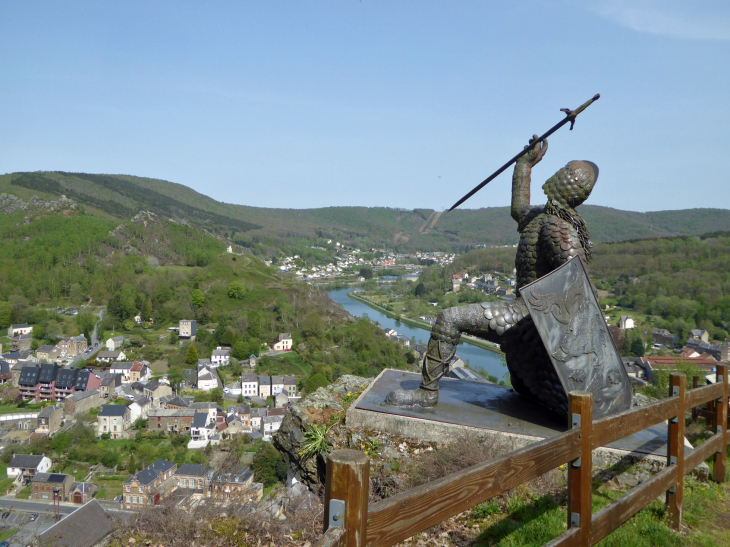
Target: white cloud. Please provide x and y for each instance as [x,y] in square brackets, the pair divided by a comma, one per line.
[696,19]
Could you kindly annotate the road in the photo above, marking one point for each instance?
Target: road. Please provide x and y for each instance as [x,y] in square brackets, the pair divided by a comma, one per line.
[42,507]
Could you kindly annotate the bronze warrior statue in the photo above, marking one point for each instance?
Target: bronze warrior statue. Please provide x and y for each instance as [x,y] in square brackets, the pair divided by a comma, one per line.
[550,235]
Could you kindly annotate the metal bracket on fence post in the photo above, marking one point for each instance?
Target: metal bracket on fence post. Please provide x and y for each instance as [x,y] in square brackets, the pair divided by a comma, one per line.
[574,520]
[672,460]
[337,514]
[575,422]
[672,490]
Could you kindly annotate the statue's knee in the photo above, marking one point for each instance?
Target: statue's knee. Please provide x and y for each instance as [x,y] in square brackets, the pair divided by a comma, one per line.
[445,329]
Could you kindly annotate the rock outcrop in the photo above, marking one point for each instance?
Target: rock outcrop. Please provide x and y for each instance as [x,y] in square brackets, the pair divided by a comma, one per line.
[324,407]
[9,204]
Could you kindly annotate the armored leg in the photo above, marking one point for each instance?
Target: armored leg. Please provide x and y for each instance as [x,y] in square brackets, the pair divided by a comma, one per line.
[489,321]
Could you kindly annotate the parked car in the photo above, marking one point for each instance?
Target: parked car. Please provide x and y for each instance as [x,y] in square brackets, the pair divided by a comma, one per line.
[6,514]
[33,517]
[4,544]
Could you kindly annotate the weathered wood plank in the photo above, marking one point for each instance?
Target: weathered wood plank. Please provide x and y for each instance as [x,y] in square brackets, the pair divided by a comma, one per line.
[719,470]
[702,395]
[580,475]
[571,538]
[611,428]
[400,517]
[334,537]
[706,414]
[702,453]
[615,514]
[675,450]
[348,479]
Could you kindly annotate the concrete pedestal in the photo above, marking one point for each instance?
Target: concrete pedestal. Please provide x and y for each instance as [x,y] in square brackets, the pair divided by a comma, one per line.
[475,408]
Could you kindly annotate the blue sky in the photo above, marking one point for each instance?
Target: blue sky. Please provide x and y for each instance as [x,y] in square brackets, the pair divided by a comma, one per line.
[374,103]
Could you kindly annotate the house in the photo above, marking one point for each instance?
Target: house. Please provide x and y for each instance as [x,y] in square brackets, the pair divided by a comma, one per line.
[85,380]
[188,329]
[149,486]
[108,384]
[175,420]
[270,425]
[139,409]
[251,362]
[110,356]
[249,385]
[139,372]
[283,342]
[156,391]
[665,338]
[47,382]
[25,466]
[27,383]
[49,420]
[699,334]
[264,387]
[23,328]
[125,369]
[456,282]
[177,402]
[220,357]
[66,383]
[193,476]
[85,527]
[206,380]
[115,343]
[81,402]
[50,486]
[257,414]
[114,420]
[290,386]
[626,322]
[6,374]
[277,385]
[82,492]
[73,346]
[235,486]
[22,342]
[201,431]
[281,400]
[403,339]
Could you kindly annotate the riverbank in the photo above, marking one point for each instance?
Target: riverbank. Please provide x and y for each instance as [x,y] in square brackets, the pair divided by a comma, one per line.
[422,324]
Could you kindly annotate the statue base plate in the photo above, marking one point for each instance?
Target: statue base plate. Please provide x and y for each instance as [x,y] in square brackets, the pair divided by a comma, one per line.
[466,407]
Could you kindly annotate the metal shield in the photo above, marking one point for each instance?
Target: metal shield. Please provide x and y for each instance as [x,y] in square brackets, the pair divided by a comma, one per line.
[571,325]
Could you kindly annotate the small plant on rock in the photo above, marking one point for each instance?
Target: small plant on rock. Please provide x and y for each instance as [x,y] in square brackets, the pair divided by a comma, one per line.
[316,440]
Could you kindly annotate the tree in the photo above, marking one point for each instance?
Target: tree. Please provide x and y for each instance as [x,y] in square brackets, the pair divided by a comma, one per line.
[240,350]
[147,309]
[236,290]
[216,395]
[313,326]
[6,315]
[197,298]
[110,458]
[175,375]
[420,289]
[637,347]
[366,272]
[192,356]
[132,467]
[315,382]
[268,466]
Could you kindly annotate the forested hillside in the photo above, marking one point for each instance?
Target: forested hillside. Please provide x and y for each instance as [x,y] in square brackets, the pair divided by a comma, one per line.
[166,271]
[265,230]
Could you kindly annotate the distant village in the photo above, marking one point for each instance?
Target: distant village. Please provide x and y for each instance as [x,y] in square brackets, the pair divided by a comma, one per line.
[55,393]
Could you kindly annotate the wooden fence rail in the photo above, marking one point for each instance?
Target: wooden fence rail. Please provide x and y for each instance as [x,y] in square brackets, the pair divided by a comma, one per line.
[350,522]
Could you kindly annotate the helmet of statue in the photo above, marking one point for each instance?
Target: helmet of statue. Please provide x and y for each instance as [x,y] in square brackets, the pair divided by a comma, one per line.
[572,185]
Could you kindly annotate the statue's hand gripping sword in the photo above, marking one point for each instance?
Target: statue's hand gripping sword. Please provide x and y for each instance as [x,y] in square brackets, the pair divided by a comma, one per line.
[570,116]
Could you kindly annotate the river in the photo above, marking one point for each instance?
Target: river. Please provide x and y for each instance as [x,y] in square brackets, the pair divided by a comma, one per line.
[482,360]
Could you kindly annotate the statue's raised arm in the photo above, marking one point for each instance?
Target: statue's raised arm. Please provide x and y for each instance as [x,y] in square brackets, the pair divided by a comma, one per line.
[522,176]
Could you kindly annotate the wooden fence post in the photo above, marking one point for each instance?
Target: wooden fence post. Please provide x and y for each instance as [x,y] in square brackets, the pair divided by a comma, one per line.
[675,448]
[348,480]
[695,385]
[720,467]
[580,471]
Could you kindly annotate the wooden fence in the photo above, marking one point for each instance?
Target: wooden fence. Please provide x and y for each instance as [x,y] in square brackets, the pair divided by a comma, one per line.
[350,521]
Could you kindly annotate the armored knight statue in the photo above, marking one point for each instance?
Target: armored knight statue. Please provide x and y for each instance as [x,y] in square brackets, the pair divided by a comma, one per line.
[550,236]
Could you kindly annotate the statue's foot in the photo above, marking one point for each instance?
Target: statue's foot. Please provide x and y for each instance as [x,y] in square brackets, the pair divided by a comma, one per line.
[406,398]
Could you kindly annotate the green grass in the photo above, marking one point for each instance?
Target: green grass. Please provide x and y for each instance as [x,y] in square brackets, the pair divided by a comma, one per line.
[5,534]
[109,489]
[526,519]
[24,494]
